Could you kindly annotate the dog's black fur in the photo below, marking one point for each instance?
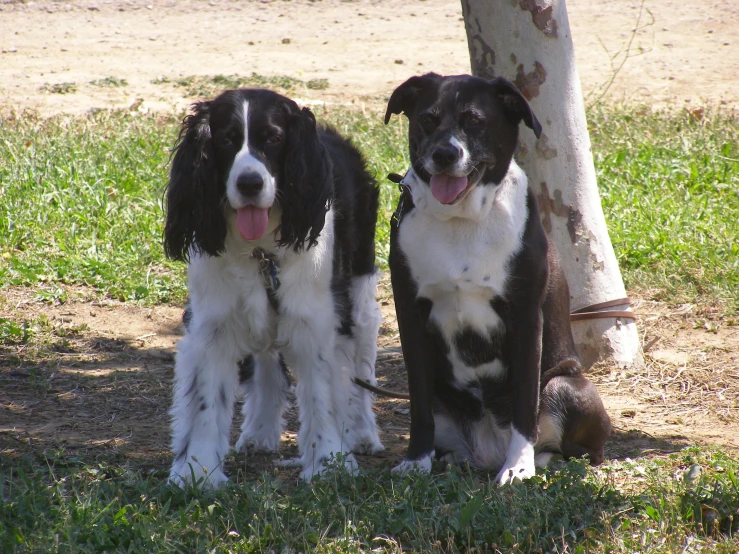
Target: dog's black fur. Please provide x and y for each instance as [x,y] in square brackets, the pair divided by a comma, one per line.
[462,125]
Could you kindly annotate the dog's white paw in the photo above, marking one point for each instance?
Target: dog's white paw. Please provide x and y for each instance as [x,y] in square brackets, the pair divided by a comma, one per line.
[289,462]
[367,444]
[194,473]
[254,441]
[519,463]
[509,475]
[421,465]
[366,439]
[320,468]
[543,458]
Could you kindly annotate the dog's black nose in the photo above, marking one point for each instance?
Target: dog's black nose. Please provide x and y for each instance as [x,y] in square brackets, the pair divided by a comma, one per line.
[249,184]
[445,155]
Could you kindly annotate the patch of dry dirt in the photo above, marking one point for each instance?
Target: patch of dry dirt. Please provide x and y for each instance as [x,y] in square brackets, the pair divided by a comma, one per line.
[684,51]
[97,381]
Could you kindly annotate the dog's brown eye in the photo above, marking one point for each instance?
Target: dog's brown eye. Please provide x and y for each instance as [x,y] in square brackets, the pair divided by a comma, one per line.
[428,122]
[274,139]
[228,139]
[472,120]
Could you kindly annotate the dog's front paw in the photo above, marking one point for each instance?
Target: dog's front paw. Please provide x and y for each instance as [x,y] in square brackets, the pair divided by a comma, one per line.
[365,439]
[194,473]
[421,465]
[449,459]
[509,475]
[367,444]
[320,468]
[519,463]
[250,442]
[259,434]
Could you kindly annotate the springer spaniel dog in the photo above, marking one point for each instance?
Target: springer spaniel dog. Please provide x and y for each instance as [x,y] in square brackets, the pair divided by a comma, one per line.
[481,300]
[276,219]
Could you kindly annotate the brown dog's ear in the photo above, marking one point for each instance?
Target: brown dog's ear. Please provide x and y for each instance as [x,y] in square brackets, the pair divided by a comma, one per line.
[515,104]
[404,97]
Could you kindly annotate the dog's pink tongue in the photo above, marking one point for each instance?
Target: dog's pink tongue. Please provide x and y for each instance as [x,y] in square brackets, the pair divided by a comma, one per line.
[446,188]
[252,222]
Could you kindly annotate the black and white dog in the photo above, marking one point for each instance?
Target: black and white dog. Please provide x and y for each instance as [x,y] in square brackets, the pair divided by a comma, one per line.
[276,217]
[482,304]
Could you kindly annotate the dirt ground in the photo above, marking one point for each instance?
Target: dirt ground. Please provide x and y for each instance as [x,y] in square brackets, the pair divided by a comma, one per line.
[99,383]
[682,52]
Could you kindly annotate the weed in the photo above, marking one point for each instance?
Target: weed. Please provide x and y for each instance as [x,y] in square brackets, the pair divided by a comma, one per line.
[109,82]
[13,332]
[203,86]
[317,84]
[60,88]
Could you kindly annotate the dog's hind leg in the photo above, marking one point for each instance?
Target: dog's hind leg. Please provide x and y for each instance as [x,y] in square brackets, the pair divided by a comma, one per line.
[202,411]
[551,431]
[573,407]
[266,386]
[367,319]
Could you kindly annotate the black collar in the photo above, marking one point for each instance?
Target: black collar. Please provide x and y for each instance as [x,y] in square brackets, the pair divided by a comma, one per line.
[405,194]
[269,269]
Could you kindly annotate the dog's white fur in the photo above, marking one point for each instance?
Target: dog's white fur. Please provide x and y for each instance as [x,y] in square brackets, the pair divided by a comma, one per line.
[231,318]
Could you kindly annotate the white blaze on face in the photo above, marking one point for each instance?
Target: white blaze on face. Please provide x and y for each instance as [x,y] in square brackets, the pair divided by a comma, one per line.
[453,184]
[464,159]
[252,214]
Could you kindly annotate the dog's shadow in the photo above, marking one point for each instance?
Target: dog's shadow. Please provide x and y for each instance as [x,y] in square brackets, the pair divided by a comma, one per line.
[634,443]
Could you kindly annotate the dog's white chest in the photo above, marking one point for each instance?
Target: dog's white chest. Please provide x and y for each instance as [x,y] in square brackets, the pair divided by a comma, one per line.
[232,288]
[461,265]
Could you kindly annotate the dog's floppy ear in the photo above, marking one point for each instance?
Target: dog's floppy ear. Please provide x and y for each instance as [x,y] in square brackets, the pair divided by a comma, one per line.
[404,97]
[306,182]
[515,104]
[194,194]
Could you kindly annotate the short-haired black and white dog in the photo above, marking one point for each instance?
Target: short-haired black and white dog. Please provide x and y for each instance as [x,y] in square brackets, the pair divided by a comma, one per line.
[482,304]
[276,217]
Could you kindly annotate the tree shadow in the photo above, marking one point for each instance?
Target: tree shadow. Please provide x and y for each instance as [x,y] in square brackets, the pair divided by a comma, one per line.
[103,399]
[93,397]
[634,443]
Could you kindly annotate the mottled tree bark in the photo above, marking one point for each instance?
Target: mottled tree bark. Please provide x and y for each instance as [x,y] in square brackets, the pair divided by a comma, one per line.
[529,43]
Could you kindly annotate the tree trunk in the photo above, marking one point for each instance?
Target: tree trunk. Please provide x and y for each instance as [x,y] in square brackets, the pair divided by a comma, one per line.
[529,43]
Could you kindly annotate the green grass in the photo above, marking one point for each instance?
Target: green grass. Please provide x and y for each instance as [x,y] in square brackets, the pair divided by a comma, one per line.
[54,502]
[670,189]
[82,204]
[82,198]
